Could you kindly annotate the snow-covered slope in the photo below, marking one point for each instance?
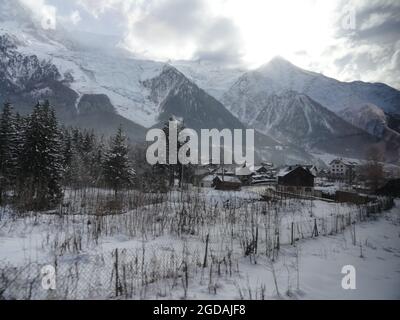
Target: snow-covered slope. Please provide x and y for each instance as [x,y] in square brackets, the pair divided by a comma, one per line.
[368,117]
[298,119]
[211,77]
[372,119]
[25,79]
[22,72]
[95,73]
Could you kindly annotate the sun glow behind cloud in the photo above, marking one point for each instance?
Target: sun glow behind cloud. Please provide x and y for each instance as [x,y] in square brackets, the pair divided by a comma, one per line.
[249,33]
[286,27]
[265,28]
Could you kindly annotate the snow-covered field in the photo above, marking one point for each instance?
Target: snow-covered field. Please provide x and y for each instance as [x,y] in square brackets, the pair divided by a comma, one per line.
[199,244]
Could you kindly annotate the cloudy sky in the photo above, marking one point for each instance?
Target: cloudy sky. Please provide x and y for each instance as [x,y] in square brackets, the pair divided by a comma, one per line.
[345,39]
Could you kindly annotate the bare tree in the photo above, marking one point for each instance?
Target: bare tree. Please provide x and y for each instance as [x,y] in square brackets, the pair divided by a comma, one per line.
[373,169]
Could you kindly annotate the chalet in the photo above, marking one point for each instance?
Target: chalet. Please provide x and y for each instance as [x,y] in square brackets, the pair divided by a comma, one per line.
[227,183]
[201,172]
[342,169]
[310,167]
[296,179]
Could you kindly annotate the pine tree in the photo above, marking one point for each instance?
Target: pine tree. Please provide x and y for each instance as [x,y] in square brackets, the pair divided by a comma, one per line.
[8,150]
[87,149]
[20,128]
[174,170]
[67,155]
[116,167]
[42,165]
[97,158]
[67,148]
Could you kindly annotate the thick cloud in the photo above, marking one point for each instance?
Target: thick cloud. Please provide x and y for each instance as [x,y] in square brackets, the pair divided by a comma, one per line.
[314,35]
[220,43]
[182,29]
[371,51]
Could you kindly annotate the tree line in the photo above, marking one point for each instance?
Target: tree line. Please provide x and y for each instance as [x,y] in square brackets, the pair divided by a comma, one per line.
[39,158]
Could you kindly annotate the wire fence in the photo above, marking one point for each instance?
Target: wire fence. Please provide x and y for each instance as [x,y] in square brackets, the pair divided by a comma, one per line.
[143,273]
[119,274]
[334,224]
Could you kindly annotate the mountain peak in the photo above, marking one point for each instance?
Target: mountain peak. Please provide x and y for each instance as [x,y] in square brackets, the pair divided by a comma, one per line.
[279,61]
[277,64]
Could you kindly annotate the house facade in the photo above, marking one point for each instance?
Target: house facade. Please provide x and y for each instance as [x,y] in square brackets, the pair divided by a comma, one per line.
[296,180]
[342,169]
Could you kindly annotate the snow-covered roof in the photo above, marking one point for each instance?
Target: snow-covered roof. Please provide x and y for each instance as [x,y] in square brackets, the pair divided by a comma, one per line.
[244,171]
[256,168]
[284,171]
[209,177]
[344,161]
[229,179]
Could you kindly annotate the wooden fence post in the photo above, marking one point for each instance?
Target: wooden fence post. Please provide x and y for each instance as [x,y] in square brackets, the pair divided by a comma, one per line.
[292,234]
[315,230]
[206,252]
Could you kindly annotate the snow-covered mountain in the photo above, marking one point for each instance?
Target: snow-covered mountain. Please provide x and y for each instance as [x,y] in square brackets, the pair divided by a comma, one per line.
[280,75]
[25,79]
[90,71]
[242,92]
[257,91]
[177,95]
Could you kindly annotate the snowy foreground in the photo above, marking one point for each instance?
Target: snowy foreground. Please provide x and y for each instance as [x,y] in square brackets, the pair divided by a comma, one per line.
[201,244]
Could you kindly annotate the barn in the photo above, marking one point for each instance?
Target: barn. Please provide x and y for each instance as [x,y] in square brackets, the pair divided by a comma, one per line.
[296,180]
